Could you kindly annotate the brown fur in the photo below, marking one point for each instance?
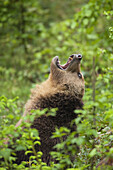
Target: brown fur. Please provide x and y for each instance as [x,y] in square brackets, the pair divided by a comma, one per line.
[63,90]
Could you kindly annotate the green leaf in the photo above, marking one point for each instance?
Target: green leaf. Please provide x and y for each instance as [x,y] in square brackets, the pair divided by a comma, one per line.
[92,153]
[85,21]
[27,152]
[88,13]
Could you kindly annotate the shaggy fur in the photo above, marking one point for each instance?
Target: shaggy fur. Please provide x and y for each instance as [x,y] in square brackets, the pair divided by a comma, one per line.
[64,90]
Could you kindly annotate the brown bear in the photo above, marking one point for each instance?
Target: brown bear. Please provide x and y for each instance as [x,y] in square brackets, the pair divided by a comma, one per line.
[64,89]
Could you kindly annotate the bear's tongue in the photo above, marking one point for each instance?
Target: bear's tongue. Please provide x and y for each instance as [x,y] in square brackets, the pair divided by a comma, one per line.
[65,65]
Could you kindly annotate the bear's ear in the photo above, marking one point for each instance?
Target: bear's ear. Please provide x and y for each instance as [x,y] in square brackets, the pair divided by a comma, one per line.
[55,72]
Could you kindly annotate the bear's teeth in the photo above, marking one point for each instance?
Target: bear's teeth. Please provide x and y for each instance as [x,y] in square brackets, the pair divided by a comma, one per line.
[69,61]
[71,58]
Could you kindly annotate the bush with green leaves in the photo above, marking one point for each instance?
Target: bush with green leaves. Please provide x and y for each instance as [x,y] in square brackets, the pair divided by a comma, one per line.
[13,140]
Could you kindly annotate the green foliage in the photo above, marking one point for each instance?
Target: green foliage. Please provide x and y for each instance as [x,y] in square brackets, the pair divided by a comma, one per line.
[30,38]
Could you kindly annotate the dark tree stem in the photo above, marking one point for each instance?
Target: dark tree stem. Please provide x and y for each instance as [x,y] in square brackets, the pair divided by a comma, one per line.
[93,97]
[93,86]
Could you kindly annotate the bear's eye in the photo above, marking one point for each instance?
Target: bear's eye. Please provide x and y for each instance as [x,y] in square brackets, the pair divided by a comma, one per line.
[79,75]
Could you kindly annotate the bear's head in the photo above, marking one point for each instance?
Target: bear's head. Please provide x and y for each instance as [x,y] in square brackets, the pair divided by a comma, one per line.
[68,76]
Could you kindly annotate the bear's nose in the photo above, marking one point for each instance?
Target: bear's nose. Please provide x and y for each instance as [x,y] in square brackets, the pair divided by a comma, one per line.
[79,56]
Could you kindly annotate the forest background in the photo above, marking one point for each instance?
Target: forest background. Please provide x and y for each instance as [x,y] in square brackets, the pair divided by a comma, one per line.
[31,34]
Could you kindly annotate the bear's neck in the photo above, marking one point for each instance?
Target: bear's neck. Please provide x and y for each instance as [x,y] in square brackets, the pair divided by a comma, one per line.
[66,105]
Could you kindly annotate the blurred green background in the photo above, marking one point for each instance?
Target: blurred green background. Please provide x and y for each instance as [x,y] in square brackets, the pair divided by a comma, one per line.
[31,34]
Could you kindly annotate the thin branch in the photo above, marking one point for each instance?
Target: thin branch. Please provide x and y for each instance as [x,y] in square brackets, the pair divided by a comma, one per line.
[93,96]
[93,86]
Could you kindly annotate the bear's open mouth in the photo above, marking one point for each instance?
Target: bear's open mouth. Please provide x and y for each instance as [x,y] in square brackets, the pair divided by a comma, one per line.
[70,59]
